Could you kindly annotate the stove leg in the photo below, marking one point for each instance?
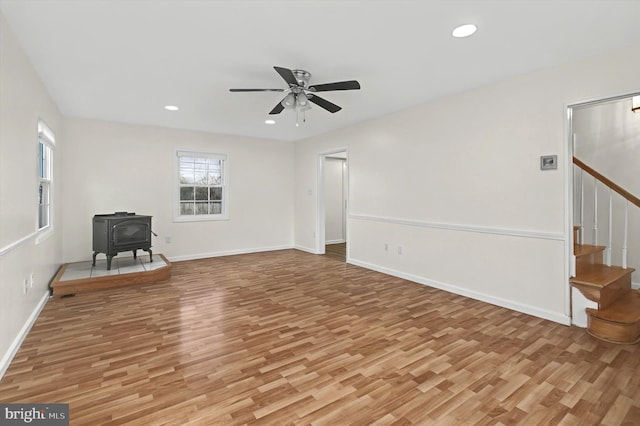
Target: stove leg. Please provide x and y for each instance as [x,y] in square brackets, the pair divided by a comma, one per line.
[135,254]
[150,255]
[109,257]
[95,253]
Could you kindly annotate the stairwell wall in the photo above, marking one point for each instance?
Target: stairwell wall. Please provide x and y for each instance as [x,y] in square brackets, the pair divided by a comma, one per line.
[454,187]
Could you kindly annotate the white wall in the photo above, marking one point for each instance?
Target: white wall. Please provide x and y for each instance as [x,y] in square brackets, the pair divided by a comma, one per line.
[334,200]
[608,139]
[24,100]
[461,193]
[122,167]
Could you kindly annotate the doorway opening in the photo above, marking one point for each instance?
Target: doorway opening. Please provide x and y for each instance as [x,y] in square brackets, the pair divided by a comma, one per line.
[332,205]
[603,136]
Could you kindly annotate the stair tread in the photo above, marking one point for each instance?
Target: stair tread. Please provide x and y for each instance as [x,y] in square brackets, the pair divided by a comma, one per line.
[626,310]
[586,249]
[599,275]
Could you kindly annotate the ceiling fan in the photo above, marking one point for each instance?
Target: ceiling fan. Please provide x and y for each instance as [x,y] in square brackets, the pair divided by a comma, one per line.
[299,93]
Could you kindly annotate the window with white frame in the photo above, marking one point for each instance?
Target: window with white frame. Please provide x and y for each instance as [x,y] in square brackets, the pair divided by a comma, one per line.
[202,186]
[46,144]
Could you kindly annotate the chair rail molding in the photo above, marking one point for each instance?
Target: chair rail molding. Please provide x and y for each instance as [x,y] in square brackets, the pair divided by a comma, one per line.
[558,236]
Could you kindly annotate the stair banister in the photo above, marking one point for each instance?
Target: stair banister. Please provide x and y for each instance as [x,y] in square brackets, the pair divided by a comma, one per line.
[608,252]
[629,198]
[595,211]
[608,182]
[581,206]
[626,233]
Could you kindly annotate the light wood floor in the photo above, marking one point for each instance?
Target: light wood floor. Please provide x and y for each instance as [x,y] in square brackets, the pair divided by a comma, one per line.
[337,251]
[292,338]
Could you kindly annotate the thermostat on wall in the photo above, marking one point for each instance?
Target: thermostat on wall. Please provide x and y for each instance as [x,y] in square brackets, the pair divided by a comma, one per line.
[548,162]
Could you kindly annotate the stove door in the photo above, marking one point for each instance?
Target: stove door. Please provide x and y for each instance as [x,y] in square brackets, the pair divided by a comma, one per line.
[131,232]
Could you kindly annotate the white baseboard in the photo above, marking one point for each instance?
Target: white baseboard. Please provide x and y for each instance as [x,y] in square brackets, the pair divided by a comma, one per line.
[307,249]
[509,304]
[635,285]
[228,253]
[336,241]
[15,345]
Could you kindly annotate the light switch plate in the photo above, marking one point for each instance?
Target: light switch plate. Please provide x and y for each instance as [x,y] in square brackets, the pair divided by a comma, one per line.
[548,162]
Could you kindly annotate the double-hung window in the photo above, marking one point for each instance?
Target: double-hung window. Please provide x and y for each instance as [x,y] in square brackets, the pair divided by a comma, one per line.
[202,186]
[46,144]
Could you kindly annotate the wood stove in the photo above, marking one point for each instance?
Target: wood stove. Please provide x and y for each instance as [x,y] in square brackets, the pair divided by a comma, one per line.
[121,231]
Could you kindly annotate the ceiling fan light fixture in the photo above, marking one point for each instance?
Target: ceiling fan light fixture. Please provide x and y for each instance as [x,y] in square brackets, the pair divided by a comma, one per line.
[171,108]
[302,99]
[289,101]
[464,30]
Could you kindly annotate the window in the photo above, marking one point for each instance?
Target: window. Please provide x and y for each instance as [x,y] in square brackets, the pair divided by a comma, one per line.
[202,186]
[46,143]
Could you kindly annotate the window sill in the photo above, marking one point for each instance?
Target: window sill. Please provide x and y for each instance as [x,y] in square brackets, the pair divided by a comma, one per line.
[44,234]
[202,218]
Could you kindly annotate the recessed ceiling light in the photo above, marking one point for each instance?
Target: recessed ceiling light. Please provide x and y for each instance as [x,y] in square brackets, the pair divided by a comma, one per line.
[464,30]
[270,121]
[171,108]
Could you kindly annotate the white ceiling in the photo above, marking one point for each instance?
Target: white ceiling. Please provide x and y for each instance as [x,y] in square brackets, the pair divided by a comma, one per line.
[124,60]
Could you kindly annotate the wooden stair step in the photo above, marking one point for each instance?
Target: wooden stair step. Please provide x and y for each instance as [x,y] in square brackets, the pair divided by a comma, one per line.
[587,254]
[625,310]
[601,283]
[600,276]
[580,250]
[619,322]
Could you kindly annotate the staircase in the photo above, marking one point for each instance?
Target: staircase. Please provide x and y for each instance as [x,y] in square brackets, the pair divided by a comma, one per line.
[617,316]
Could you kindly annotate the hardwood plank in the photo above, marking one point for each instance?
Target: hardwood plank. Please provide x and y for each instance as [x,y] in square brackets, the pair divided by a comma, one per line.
[292,338]
[337,251]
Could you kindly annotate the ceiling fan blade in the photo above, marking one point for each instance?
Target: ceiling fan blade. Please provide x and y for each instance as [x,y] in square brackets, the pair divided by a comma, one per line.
[329,106]
[287,74]
[256,90]
[339,85]
[277,109]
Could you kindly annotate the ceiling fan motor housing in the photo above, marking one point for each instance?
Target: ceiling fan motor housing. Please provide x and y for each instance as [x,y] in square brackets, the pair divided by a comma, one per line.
[302,77]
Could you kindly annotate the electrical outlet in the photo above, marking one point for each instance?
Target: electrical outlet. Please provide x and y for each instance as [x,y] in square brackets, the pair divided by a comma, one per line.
[399,249]
[32,280]
[25,287]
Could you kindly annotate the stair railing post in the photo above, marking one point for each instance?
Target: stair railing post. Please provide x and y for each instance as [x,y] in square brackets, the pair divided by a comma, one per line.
[626,232]
[608,252]
[580,237]
[595,212]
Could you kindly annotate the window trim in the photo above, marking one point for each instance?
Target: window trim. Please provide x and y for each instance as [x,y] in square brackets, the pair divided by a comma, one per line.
[177,217]
[47,138]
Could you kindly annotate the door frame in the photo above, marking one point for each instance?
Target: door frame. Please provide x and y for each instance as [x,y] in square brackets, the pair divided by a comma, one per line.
[570,265]
[320,239]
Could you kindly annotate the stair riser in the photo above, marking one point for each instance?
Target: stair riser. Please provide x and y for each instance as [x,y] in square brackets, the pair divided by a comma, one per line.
[605,296]
[590,259]
[613,331]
